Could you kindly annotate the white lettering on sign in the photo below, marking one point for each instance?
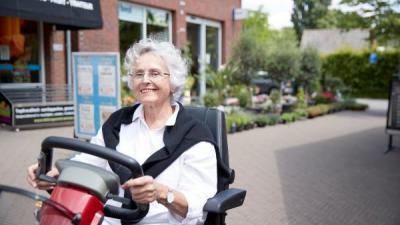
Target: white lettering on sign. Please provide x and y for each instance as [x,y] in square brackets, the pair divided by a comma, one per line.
[59,2]
[73,3]
[81,4]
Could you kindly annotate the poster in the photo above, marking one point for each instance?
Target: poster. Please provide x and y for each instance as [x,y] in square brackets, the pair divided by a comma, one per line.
[86,115]
[96,90]
[105,112]
[85,77]
[106,80]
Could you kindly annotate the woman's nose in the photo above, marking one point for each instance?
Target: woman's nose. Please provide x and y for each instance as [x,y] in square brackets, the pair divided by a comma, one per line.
[146,78]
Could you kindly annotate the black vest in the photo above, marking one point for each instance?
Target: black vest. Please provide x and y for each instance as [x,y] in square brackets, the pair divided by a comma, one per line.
[186,132]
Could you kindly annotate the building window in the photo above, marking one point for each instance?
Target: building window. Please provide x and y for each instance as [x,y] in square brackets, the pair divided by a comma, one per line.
[19,51]
[137,22]
[157,24]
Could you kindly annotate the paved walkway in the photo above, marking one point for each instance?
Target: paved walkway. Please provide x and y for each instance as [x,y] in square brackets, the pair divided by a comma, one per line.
[329,170]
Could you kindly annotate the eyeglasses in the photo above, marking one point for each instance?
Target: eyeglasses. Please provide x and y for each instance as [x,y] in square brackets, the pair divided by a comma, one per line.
[153,74]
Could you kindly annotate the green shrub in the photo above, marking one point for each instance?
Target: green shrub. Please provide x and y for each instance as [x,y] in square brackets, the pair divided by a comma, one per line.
[262,120]
[273,119]
[301,113]
[211,99]
[275,97]
[301,101]
[244,98]
[288,117]
[314,111]
[364,79]
[357,107]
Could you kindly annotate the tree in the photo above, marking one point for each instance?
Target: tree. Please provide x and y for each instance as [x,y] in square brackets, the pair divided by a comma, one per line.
[310,68]
[306,13]
[248,53]
[282,62]
[383,17]
[343,20]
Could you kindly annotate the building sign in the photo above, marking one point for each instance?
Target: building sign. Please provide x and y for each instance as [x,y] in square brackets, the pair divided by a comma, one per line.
[96,90]
[69,13]
[42,114]
[240,14]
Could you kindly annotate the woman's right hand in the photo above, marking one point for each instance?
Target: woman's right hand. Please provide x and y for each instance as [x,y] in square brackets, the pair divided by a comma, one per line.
[34,181]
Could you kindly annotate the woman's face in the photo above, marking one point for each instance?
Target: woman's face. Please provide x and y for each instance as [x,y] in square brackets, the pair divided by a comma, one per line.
[151,84]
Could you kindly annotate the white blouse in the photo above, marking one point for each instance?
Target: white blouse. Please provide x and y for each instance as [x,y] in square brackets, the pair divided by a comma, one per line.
[194,173]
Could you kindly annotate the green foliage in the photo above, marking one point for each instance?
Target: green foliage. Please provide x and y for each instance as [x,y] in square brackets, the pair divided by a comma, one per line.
[354,106]
[262,120]
[283,56]
[258,22]
[310,69]
[219,81]
[364,79]
[317,110]
[301,101]
[212,99]
[274,119]
[242,93]
[275,97]
[383,18]
[306,13]
[190,81]
[301,113]
[239,121]
[343,20]
[289,117]
[249,49]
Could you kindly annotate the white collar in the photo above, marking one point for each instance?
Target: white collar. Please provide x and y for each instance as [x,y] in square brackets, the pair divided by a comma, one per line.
[139,114]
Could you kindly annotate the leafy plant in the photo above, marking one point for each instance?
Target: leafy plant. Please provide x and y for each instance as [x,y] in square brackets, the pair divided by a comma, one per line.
[301,101]
[273,119]
[288,117]
[262,120]
[212,99]
[275,97]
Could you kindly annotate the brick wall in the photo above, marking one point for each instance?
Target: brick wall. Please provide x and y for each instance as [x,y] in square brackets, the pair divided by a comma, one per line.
[107,38]
[55,64]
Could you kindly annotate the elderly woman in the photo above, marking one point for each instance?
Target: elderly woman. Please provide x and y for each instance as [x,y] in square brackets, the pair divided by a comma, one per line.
[159,134]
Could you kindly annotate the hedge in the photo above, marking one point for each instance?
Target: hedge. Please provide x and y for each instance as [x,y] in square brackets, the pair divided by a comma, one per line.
[365,80]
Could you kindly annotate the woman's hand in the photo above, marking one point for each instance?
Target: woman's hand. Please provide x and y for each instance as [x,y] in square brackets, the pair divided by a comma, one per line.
[143,189]
[42,185]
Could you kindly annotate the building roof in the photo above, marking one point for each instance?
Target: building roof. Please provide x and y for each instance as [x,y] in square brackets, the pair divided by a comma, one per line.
[329,40]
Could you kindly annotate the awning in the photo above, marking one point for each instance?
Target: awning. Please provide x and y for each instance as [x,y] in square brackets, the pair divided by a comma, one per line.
[67,14]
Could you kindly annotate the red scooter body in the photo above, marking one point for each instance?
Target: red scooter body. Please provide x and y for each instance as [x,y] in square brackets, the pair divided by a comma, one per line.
[82,190]
[76,200]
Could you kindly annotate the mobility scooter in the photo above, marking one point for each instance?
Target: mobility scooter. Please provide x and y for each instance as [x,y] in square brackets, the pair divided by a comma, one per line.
[82,190]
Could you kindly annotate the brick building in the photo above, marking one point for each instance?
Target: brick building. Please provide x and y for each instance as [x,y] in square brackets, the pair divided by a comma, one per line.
[207,27]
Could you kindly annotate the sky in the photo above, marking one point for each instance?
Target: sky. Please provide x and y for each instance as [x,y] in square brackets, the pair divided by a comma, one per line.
[279,11]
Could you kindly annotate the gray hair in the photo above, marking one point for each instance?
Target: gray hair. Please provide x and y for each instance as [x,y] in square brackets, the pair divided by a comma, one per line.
[172,57]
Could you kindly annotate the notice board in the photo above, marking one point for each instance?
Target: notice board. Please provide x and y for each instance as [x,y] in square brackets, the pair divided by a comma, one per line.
[96,90]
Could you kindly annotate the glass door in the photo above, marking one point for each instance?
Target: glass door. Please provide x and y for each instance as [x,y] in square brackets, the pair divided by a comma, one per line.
[204,38]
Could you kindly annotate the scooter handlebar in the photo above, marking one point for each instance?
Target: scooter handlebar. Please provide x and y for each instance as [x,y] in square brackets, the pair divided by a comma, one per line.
[80,146]
[45,162]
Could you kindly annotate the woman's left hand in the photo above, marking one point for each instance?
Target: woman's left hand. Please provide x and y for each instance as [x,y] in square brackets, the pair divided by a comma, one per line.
[143,189]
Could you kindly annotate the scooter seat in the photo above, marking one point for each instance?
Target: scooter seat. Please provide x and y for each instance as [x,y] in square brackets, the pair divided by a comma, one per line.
[96,180]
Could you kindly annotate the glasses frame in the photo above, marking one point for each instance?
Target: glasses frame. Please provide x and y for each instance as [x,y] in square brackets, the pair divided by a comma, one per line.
[149,74]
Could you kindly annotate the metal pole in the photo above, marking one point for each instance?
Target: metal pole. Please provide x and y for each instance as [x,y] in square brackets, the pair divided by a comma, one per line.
[69,74]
